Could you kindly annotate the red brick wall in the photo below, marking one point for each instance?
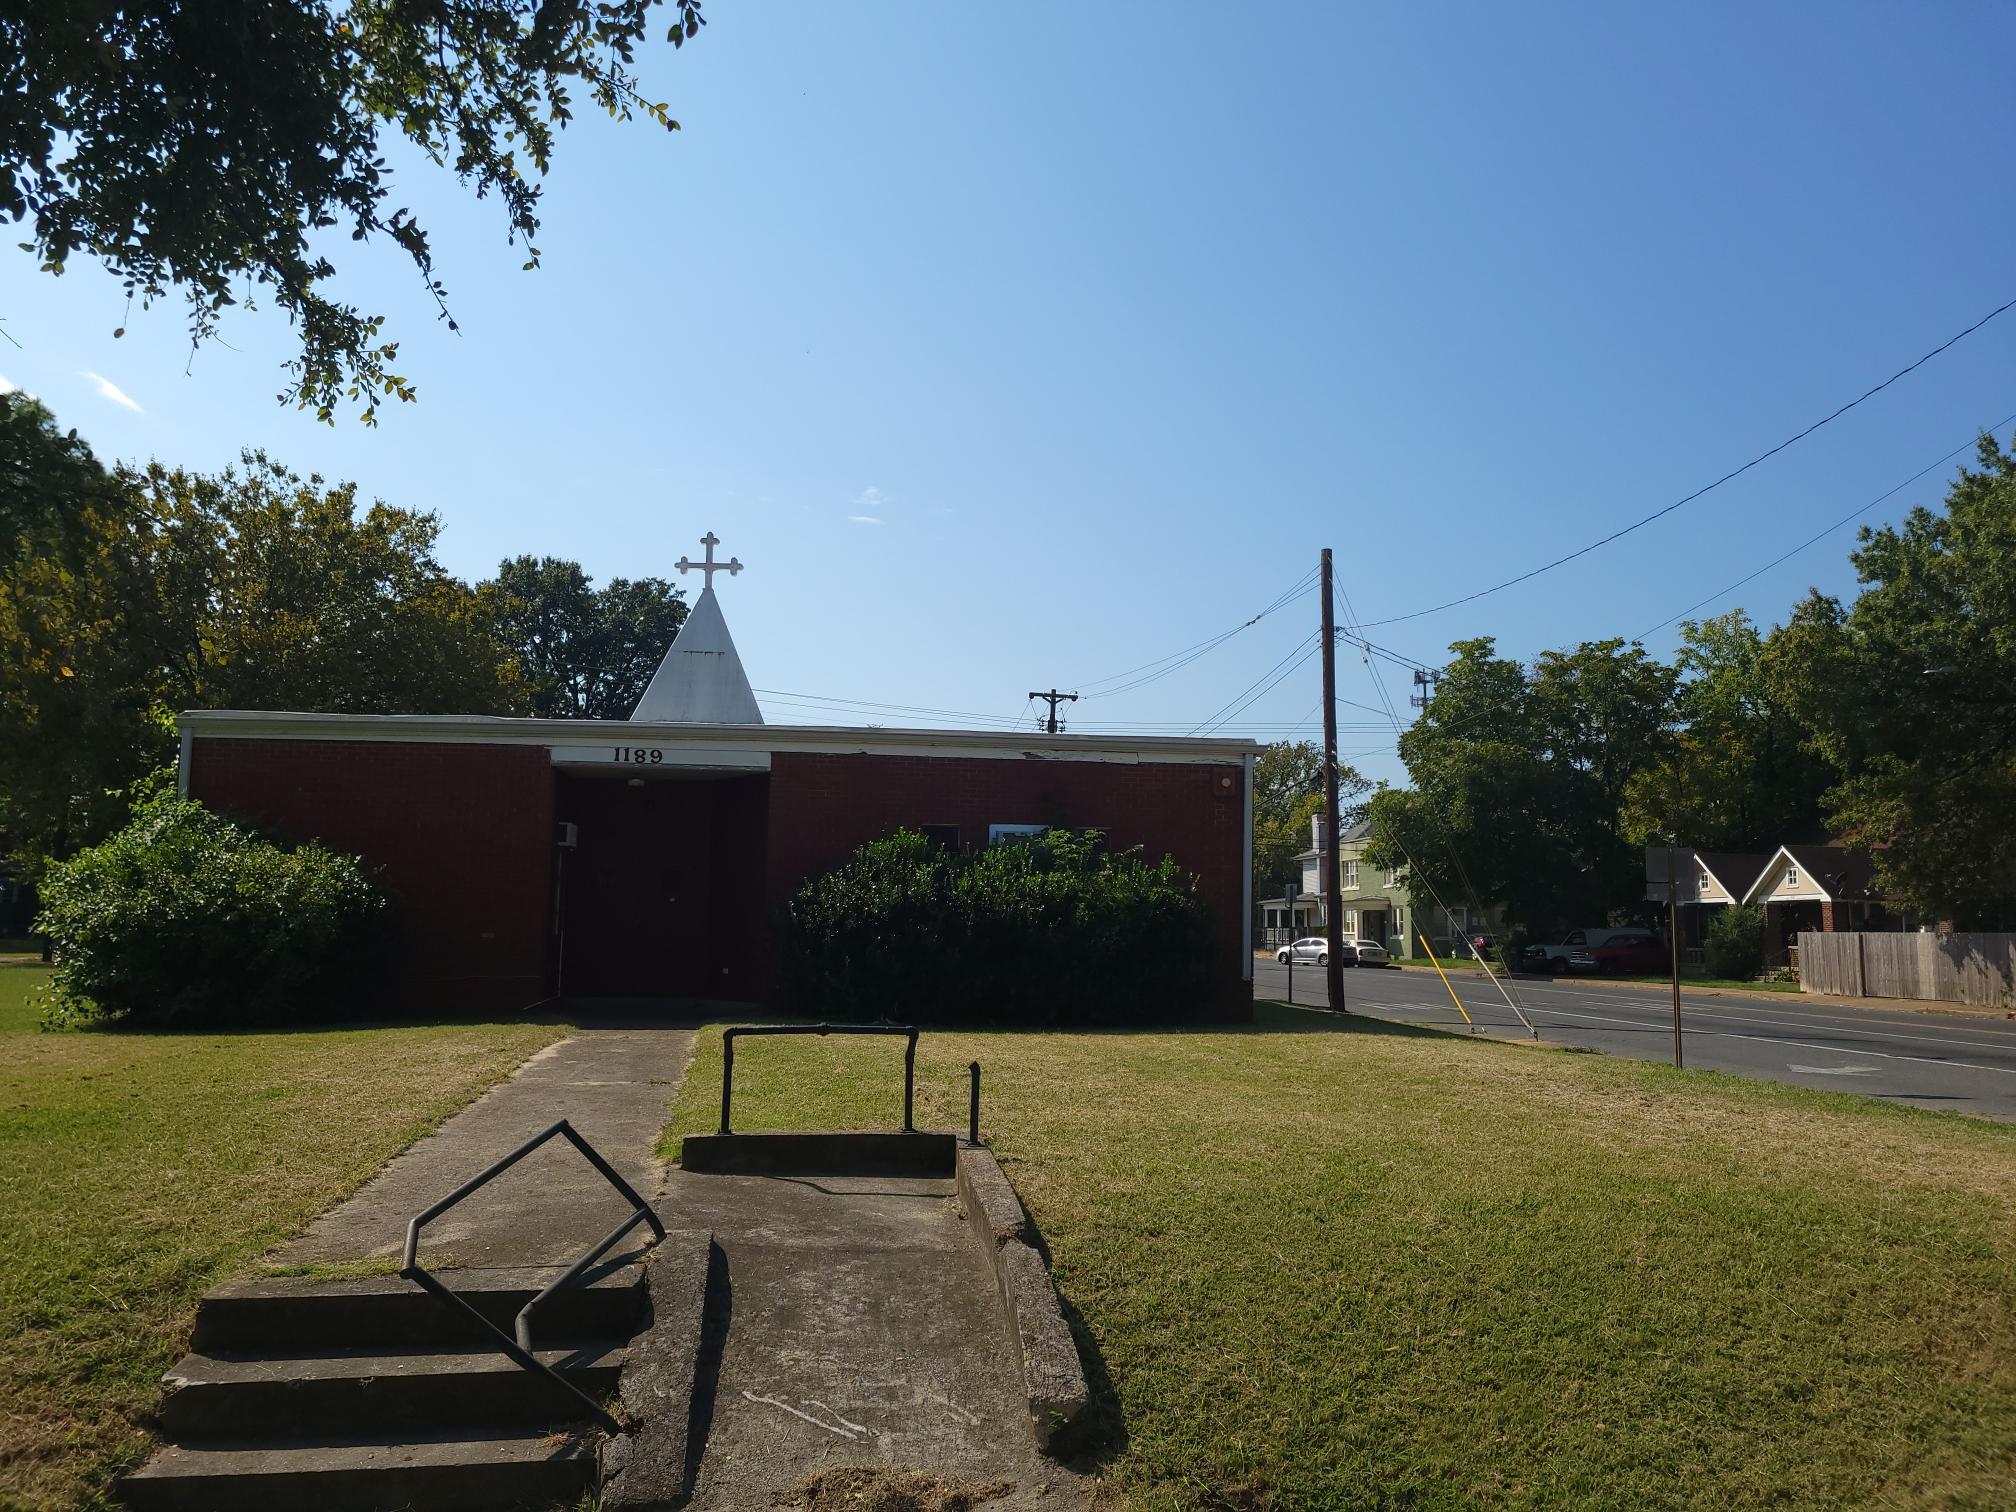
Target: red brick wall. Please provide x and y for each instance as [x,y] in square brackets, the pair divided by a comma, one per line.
[823,807]
[463,835]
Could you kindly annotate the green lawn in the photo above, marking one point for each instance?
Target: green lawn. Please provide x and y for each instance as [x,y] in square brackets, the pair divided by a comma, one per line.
[136,1170]
[1332,1263]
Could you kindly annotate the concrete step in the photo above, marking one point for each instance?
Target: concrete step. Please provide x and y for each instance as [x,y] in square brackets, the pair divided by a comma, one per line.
[304,1313]
[444,1472]
[241,1395]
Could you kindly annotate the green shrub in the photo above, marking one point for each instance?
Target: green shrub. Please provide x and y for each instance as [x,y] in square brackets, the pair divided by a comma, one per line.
[185,918]
[1052,930]
[1736,943]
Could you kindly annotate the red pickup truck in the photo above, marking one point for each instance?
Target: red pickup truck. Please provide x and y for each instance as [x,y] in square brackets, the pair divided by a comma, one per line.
[1626,952]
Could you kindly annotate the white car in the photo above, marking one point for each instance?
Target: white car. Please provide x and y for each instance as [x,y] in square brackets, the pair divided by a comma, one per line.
[1369,952]
[1315,949]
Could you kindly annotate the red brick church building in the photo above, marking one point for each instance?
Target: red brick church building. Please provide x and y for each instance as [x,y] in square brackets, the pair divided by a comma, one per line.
[536,859]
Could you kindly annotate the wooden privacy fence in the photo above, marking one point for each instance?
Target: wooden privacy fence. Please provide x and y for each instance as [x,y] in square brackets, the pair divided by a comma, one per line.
[1956,968]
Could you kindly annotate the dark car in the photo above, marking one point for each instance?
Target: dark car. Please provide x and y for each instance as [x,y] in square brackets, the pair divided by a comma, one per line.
[1626,952]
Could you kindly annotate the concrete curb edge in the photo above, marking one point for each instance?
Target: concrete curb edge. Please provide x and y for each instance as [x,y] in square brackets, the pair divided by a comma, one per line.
[646,1470]
[1051,1370]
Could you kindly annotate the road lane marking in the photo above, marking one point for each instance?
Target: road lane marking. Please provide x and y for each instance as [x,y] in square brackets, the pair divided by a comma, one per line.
[1693,1003]
[1766,1039]
[1662,1013]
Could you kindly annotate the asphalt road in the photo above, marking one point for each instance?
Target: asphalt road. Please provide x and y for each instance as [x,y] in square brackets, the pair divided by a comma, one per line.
[1961,1062]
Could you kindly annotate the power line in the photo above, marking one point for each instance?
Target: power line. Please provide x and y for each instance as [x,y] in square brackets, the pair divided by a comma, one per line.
[1706,488]
[1308,646]
[1175,661]
[871,704]
[1822,534]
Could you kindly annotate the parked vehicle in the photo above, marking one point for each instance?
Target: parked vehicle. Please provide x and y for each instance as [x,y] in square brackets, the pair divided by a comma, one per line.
[1627,952]
[1369,952]
[1558,958]
[1316,950]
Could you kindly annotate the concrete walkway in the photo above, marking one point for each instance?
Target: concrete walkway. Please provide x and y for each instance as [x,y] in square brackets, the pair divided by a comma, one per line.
[614,1085]
[862,1328]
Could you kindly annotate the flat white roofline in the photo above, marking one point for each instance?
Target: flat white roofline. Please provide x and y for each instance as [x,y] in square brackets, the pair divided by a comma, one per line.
[487,729]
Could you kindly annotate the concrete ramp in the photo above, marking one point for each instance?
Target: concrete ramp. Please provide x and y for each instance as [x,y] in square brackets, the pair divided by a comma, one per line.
[860,1323]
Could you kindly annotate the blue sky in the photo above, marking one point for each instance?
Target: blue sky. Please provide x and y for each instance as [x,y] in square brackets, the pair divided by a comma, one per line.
[1020,347]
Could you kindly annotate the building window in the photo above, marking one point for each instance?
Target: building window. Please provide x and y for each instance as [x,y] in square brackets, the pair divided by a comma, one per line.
[1350,873]
[944,836]
[1392,876]
[998,834]
[1706,884]
[1791,875]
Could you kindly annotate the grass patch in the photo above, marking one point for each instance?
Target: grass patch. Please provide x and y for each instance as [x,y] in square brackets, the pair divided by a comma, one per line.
[1337,1263]
[137,1170]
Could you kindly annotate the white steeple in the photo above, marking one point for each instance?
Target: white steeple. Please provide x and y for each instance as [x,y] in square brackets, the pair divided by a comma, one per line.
[701,680]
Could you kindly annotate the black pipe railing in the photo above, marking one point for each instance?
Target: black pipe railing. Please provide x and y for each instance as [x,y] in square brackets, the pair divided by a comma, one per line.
[729,1036]
[517,1345]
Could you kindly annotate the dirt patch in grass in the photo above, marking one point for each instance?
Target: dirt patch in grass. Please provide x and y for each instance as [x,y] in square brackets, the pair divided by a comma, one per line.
[865,1488]
[138,1170]
[1335,1263]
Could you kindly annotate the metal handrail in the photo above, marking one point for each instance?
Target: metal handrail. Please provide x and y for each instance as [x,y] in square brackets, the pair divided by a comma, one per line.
[518,1349]
[728,1037]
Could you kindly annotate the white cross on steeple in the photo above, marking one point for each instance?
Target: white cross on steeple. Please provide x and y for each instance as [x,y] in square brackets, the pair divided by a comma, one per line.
[710,566]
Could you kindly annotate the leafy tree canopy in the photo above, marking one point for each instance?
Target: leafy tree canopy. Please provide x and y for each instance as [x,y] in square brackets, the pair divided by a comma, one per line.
[1740,774]
[1911,692]
[1287,793]
[585,652]
[1520,776]
[219,149]
[253,588]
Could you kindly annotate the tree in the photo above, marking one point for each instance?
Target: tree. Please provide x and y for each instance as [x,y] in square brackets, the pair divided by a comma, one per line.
[279,592]
[1740,774]
[50,483]
[78,717]
[1520,778]
[247,589]
[216,148]
[1287,792]
[1911,692]
[584,652]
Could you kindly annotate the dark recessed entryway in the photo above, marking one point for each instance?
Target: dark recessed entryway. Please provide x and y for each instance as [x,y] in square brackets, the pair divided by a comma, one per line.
[661,895]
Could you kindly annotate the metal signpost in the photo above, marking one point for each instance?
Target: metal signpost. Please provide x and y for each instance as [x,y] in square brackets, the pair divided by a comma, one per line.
[1671,868]
[1290,894]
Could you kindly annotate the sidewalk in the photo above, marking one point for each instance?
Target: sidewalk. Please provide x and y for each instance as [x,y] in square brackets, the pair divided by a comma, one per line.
[613,1085]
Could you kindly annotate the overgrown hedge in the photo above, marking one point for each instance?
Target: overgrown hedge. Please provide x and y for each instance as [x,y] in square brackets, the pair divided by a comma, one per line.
[185,918]
[1055,929]
[1735,943]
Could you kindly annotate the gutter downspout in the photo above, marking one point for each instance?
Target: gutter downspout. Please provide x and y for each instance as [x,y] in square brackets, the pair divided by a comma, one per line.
[188,742]
[1246,881]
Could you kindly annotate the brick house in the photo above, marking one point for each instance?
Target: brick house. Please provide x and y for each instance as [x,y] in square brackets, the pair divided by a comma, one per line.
[1829,888]
[534,859]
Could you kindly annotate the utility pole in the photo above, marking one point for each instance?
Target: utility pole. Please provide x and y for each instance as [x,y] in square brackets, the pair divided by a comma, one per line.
[1333,885]
[1054,698]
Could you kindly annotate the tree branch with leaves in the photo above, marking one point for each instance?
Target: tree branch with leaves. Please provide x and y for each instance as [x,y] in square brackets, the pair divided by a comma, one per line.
[216,148]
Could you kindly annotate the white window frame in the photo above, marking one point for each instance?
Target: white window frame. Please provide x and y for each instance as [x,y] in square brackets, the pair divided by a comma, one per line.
[996,833]
[1351,874]
[1791,875]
